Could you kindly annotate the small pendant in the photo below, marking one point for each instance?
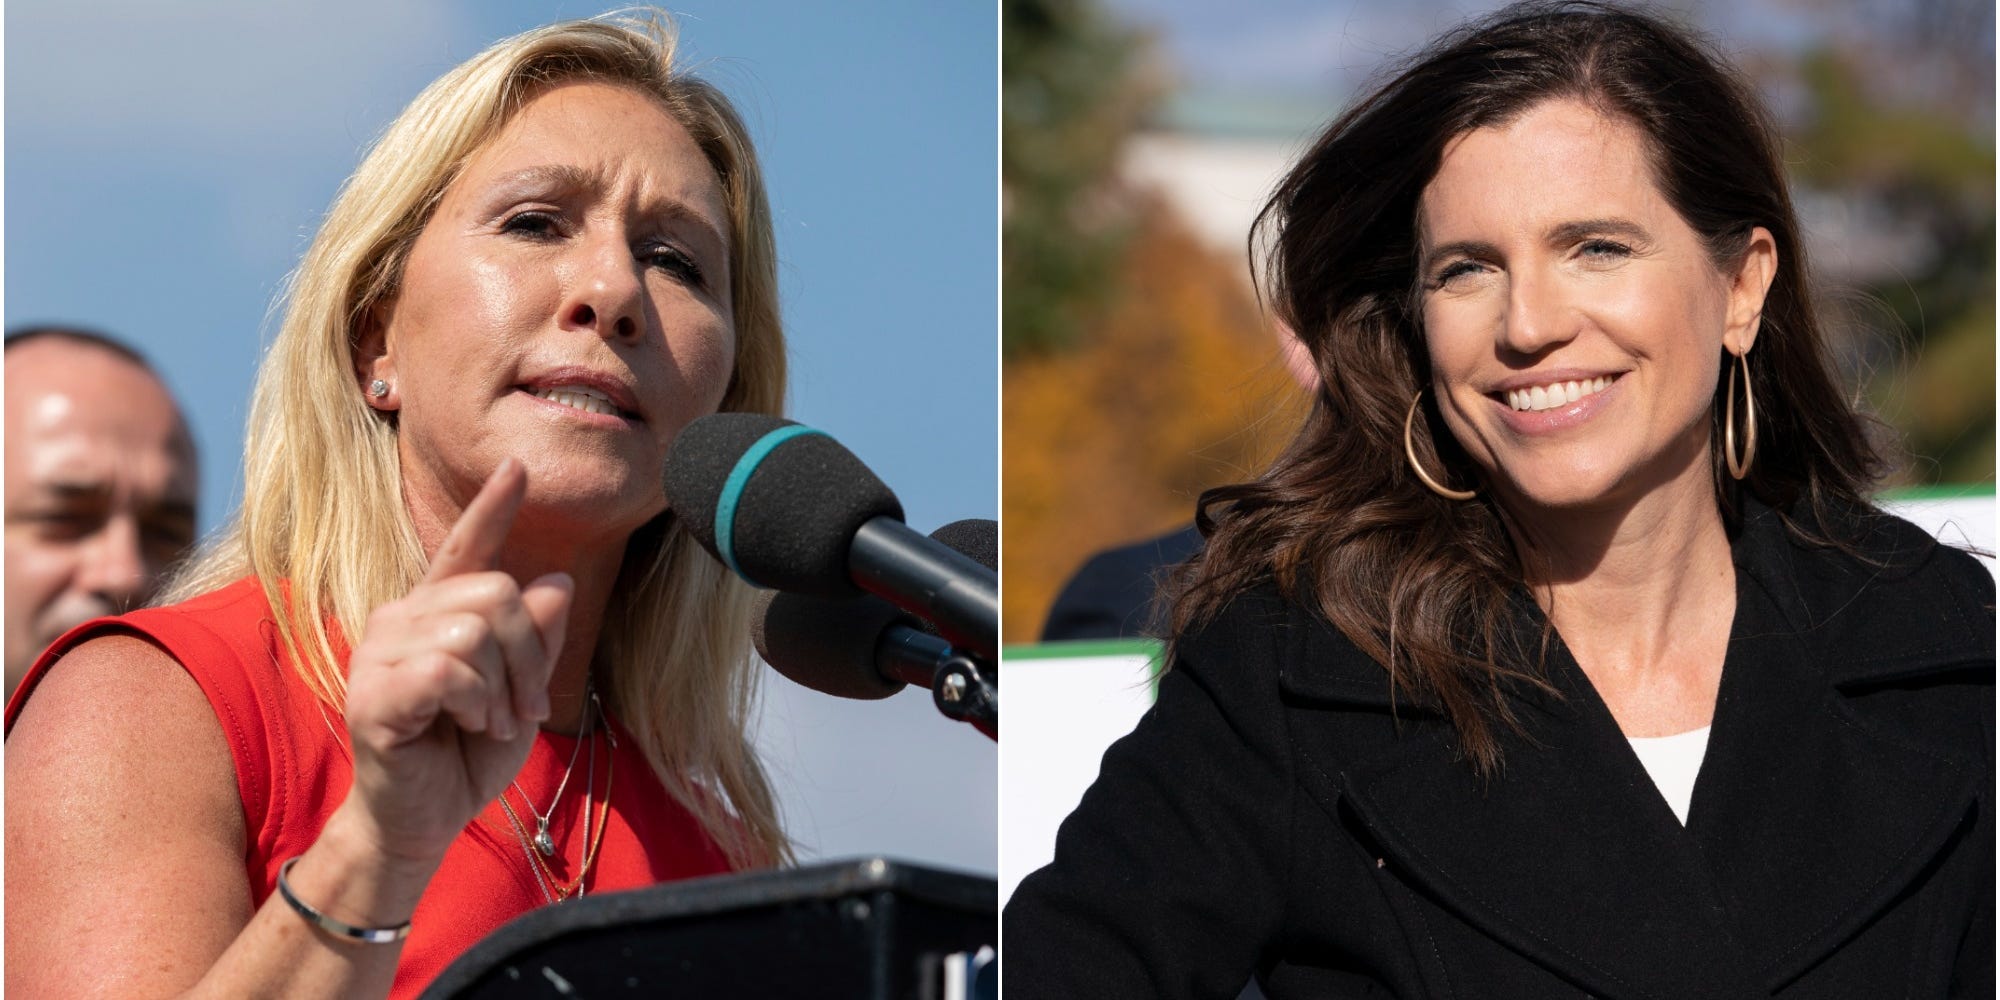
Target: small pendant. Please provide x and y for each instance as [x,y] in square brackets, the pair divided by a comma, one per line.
[543,842]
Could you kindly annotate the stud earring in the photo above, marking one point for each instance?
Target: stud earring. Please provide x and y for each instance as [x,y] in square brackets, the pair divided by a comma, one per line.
[378,388]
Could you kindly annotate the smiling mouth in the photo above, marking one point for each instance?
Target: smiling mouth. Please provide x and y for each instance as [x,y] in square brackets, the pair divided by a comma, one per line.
[1554,394]
[579,397]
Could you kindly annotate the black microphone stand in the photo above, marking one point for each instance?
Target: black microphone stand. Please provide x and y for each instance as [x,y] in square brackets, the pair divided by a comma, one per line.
[962,686]
[961,691]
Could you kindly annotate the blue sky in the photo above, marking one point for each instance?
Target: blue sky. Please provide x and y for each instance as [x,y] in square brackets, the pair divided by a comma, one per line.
[166,165]
[1288,45]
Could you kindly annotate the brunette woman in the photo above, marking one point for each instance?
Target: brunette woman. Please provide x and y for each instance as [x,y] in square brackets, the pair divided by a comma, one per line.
[1562,653]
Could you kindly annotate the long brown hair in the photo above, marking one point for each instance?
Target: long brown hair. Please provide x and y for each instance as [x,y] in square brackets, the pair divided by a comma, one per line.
[1421,584]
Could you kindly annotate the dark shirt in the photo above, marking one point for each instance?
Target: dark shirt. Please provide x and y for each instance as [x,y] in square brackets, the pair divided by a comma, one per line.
[1113,595]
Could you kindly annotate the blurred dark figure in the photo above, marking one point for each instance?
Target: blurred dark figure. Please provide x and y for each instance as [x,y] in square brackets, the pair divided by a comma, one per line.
[1112,596]
[100,484]
[1115,594]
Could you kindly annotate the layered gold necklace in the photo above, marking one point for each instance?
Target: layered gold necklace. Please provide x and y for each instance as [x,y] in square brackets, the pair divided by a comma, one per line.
[540,847]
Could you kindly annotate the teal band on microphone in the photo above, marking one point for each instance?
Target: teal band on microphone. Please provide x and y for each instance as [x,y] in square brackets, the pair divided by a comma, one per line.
[732,491]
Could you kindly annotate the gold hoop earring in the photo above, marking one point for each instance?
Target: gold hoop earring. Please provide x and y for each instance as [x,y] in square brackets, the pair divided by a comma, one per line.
[1740,468]
[1410,452]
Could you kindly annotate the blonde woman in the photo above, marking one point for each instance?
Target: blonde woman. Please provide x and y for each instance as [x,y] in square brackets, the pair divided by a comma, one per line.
[453,660]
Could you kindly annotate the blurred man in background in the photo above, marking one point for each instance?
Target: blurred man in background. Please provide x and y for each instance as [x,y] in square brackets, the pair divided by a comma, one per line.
[100,484]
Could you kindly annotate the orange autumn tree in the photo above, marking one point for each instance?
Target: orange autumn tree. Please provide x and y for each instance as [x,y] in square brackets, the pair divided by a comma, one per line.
[1175,388]
[1138,371]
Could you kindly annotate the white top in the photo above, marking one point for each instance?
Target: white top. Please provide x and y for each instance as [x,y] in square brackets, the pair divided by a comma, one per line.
[1673,761]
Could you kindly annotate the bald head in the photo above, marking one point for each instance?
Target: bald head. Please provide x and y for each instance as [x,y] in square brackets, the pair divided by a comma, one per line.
[100,486]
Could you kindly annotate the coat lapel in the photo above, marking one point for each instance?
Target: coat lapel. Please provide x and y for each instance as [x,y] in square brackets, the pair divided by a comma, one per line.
[1810,815]
[1569,856]
[1808,818]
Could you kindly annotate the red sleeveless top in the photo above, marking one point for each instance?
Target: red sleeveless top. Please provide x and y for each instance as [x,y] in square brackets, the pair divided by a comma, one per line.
[293,767]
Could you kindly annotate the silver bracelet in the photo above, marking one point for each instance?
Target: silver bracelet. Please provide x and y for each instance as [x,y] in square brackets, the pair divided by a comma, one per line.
[366,935]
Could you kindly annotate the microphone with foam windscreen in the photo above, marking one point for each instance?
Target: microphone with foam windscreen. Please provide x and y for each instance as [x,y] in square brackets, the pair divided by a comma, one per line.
[976,538]
[785,507]
[864,647]
[848,647]
[860,647]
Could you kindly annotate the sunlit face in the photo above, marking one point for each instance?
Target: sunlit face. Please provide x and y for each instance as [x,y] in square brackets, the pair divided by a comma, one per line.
[1575,322]
[100,490]
[567,304]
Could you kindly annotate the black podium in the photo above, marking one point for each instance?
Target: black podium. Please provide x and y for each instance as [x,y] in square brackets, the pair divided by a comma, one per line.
[870,928]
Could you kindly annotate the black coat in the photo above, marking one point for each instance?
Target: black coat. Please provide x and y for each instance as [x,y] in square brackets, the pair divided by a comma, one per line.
[1270,816]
